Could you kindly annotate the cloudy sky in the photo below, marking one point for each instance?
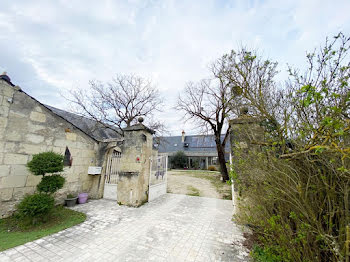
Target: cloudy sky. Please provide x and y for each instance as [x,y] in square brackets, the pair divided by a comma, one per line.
[49,47]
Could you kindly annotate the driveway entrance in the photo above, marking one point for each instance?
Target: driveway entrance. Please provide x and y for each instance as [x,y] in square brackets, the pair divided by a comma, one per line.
[171,228]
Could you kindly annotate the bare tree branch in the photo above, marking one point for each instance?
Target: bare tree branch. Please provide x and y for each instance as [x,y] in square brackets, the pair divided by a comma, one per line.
[118,103]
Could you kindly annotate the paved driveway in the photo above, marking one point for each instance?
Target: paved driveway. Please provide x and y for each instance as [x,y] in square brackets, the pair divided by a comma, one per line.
[171,228]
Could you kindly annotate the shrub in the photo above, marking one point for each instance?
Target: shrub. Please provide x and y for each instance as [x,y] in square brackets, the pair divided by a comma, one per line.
[47,162]
[212,168]
[179,160]
[295,186]
[50,184]
[35,207]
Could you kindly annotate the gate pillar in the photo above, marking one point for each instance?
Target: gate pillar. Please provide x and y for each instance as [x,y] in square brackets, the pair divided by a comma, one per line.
[134,169]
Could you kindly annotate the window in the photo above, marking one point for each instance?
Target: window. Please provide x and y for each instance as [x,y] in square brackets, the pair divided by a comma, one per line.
[67,160]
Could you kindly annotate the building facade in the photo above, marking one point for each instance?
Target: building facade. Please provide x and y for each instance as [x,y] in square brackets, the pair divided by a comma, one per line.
[200,150]
[28,127]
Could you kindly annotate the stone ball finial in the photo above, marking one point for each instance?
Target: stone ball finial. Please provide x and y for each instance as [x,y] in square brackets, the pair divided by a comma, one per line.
[5,77]
[140,119]
[244,110]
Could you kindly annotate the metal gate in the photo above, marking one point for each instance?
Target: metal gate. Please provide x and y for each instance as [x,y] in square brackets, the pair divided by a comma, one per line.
[112,176]
[158,177]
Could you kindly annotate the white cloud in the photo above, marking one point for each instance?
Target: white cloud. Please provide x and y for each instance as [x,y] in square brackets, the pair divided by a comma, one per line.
[60,45]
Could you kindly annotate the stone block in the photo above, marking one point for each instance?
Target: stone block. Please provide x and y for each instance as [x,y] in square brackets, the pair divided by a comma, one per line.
[81,145]
[13,136]
[4,170]
[49,141]
[6,194]
[32,149]
[64,143]
[2,133]
[81,169]
[7,208]
[68,170]
[4,110]
[86,185]
[20,192]
[35,139]
[73,177]
[37,116]
[15,159]
[33,180]
[87,153]
[8,91]
[19,170]
[3,122]
[71,136]
[10,147]
[38,109]
[13,181]
[33,128]
[59,150]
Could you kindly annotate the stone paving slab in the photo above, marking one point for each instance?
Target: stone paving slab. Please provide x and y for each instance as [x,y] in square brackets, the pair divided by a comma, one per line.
[171,228]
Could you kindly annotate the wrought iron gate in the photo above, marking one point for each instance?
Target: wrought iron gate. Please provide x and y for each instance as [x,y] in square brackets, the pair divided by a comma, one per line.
[112,176]
[158,177]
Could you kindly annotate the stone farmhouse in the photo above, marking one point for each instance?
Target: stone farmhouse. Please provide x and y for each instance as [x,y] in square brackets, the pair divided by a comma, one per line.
[29,127]
[200,149]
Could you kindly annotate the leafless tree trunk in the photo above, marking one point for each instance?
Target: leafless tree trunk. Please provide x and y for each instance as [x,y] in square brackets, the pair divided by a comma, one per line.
[208,104]
[118,104]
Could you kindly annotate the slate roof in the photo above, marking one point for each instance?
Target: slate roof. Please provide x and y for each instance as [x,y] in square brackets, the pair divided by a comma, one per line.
[89,126]
[204,144]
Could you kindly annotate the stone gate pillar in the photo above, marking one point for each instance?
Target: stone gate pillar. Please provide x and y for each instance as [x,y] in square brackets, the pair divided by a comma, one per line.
[245,131]
[135,165]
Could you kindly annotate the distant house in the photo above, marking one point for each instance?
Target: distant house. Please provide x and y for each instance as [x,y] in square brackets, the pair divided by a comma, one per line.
[200,149]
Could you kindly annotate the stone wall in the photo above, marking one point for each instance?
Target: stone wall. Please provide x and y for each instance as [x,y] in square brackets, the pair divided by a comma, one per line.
[27,128]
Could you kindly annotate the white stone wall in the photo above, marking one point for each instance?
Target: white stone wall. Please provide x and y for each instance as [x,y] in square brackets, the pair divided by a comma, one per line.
[27,128]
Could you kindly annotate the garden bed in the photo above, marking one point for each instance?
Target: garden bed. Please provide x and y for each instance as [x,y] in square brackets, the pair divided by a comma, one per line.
[13,232]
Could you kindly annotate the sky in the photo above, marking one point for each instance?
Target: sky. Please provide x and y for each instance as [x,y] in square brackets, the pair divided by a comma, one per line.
[51,47]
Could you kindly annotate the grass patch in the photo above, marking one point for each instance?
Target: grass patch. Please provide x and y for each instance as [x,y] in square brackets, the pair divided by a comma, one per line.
[214,177]
[192,191]
[14,233]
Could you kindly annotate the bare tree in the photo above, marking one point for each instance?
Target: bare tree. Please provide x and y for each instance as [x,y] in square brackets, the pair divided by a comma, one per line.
[118,104]
[208,103]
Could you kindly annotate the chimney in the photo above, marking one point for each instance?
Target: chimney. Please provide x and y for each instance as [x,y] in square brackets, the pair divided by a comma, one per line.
[183,136]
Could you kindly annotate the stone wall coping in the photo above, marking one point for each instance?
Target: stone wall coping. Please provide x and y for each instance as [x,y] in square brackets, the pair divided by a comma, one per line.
[138,127]
[245,120]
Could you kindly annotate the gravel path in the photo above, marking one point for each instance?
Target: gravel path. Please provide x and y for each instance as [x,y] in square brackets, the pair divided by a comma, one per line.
[180,183]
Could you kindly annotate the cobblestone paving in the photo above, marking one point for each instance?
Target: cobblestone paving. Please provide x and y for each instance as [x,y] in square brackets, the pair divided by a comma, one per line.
[171,228]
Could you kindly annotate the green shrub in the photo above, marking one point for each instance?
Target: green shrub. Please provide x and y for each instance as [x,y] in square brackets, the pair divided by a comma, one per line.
[264,255]
[35,207]
[179,160]
[47,162]
[294,187]
[212,168]
[50,184]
